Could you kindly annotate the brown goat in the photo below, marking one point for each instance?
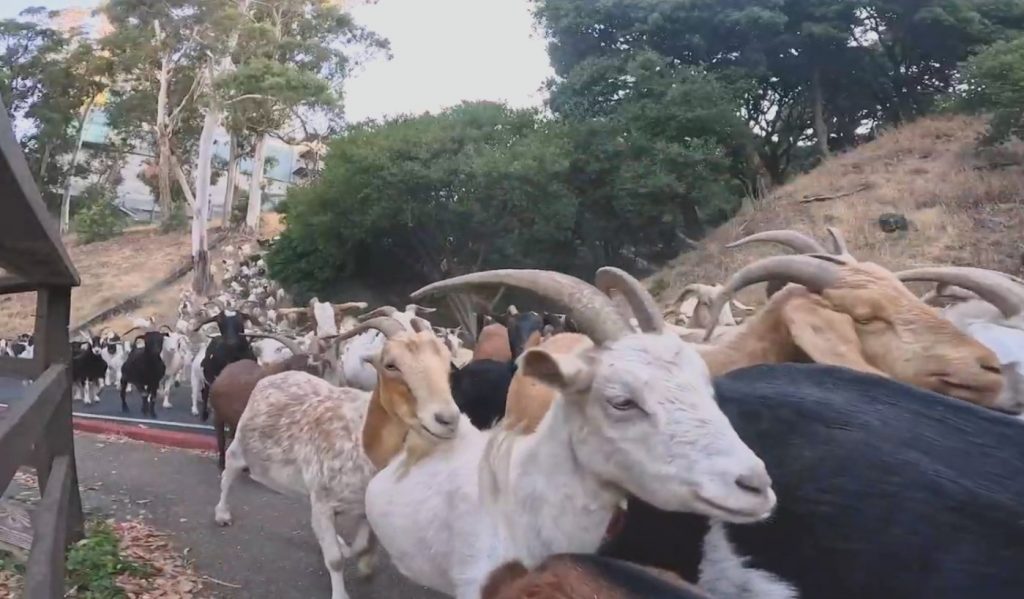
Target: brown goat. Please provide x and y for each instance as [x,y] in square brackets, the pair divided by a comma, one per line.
[858,315]
[578,576]
[529,399]
[230,391]
[492,344]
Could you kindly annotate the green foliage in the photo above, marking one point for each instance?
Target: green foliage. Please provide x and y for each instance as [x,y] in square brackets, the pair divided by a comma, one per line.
[176,220]
[994,81]
[94,563]
[410,199]
[97,218]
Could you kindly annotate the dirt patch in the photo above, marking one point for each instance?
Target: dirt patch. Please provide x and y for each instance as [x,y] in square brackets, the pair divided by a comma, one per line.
[965,207]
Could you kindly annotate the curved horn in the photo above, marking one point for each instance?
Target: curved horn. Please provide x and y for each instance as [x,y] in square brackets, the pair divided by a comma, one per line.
[838,242]
[995,287]
[385,324]
[350,307]
[585,304]
[290,344]
[810,272]
[418,309]
[794,240]
[695,289]
[378,313]
[125,334]
[645,309]
[420,325]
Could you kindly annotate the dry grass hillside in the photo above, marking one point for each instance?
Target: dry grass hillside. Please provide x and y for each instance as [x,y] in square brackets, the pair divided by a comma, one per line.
[965,207]
[118,269]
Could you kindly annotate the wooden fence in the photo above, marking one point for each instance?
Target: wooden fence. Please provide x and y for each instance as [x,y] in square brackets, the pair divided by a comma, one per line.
[37,431]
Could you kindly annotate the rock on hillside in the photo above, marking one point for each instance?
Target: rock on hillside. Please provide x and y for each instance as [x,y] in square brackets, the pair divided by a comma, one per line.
[965,206]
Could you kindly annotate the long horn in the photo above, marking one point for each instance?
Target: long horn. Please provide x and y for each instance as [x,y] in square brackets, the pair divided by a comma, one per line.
[996,288]
[645,309]
[418,309]
[838,242]
[125,334]
[385,324]
[794,240]
[350,307]
[810,272]
[290,344]
[378,312]
[693,289]
[585,304]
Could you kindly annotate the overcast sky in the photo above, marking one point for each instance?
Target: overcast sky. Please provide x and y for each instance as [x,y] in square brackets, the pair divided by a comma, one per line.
[445,51]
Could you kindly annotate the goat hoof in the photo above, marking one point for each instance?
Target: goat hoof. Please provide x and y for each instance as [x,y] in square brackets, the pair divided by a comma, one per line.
[222,516]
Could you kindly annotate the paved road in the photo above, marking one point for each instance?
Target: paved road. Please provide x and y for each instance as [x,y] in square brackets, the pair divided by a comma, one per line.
[178,417]
[270,550]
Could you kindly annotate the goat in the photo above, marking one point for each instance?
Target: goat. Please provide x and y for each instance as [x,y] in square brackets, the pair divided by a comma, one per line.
[144,368]
[87,369]
[176,355]
[693,307]
[302,436]
[229,394]
[635,414]
[353,369]
[885,490]
[493,344]
[114,353]
[854,314]
[584,576]
[528,398]
[480,389]
[229,347]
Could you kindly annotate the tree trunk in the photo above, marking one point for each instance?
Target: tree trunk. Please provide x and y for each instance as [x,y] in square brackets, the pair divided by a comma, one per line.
[163,133]
[65,202]
[252,215]
[201,210]
[232,182]
[818,101]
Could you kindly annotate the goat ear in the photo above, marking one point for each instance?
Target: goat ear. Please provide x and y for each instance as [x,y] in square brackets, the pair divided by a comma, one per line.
[826,336]
[572,373]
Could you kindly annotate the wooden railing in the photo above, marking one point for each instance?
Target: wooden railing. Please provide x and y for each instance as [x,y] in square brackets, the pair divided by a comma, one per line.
[37,430]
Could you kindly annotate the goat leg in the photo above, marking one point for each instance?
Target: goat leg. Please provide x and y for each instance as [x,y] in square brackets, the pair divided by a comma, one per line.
[124,403]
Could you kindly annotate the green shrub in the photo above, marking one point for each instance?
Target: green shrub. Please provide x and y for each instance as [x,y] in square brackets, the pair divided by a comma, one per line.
[994,81]
[176,219]
[98,222]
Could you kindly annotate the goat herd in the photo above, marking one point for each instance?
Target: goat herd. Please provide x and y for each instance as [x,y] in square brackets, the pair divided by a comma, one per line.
[848,439]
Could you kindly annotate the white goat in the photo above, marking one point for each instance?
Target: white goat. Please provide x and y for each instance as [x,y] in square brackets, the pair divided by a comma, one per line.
[353,368]
[196,377]
[176,355]
[636,414]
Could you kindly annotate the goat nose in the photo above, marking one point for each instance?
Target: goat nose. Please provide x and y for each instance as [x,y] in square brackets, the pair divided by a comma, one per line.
[446,418]
[756,481]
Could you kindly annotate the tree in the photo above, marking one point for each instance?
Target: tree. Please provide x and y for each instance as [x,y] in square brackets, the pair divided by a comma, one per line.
[415,199]
[51,79]
[994,81]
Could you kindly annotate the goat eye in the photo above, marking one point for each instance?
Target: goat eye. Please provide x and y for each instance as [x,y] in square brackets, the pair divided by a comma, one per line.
[623,405]
[391,366]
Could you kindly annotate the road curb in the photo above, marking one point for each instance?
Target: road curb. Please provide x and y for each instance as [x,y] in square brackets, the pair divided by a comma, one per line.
[141,432]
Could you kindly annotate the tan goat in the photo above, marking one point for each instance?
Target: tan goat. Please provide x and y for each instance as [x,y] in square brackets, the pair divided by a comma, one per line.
[529,399]
[301,436]
[858,315]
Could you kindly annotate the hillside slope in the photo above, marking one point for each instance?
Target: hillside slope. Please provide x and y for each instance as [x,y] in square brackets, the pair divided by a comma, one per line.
[965,207]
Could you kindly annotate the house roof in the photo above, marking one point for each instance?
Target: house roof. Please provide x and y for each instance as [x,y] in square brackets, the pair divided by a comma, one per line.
[30,246]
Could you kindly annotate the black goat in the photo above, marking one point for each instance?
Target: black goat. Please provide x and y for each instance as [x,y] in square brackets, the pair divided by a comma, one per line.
[144,368]
[231,346]
[884,490]
[480,388]
[87,369]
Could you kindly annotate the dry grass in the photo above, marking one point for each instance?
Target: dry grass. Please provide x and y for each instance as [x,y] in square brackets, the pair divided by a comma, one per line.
[115,270]
[965,207]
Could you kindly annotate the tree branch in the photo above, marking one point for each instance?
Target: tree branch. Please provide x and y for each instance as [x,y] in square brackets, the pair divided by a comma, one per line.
[250,97]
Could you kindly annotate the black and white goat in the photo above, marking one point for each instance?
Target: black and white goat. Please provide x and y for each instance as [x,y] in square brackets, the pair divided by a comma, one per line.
[114,352]
[884,490]
[144,369]
[87,369]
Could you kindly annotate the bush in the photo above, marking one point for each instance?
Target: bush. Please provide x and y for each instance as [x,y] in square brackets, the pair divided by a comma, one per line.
[98,222]
[176,219]
[994,81]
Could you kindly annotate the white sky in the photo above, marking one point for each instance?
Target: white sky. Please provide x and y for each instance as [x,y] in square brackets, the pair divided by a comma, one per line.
[446,51]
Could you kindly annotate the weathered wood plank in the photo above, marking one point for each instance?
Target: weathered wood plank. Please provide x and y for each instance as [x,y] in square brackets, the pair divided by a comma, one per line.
[15,284]
[53,314]
[26,420]
[44,576]
[19,367]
